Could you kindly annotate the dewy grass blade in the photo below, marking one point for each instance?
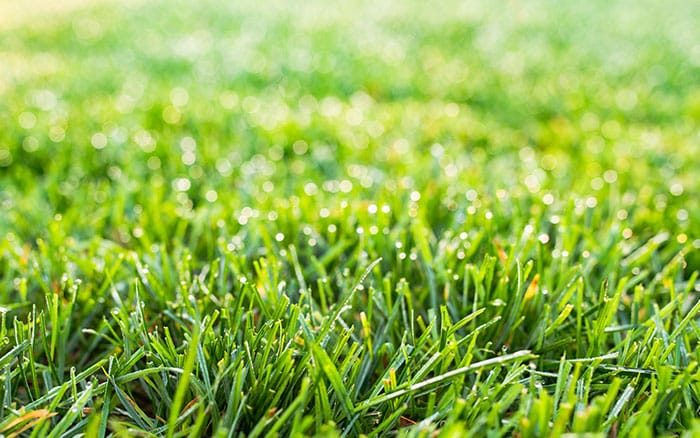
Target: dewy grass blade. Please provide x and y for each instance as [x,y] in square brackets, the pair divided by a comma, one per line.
[341,305]
[690,316]
[183,383]
[495,361]
[331,372]
[624,398]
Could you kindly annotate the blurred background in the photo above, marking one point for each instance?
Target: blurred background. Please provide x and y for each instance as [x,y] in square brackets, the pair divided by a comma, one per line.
[173,119]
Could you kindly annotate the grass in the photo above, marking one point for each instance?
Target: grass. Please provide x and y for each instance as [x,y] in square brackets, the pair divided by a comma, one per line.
[394,219]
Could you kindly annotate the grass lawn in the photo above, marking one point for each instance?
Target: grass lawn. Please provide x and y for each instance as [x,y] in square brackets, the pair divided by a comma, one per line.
[384,218]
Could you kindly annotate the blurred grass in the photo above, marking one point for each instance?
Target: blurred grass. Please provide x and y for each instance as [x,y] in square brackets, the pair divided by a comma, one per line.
[16,14]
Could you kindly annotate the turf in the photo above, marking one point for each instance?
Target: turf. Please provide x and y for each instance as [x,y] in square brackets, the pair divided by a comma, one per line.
[366,218]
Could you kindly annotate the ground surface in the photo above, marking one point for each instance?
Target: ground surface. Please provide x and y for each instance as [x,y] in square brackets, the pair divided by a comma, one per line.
[223,219]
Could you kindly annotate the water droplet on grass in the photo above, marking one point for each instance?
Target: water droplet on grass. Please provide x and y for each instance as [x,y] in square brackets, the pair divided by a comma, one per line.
[676,189]
[181,184]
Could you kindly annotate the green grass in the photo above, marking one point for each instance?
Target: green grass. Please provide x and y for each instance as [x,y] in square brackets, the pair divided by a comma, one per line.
[382,219]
